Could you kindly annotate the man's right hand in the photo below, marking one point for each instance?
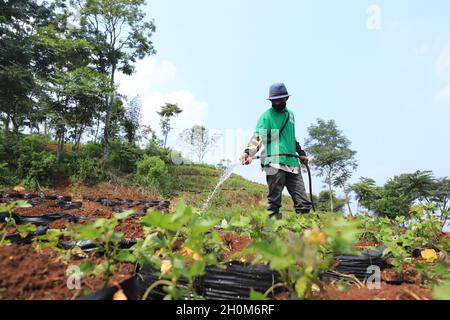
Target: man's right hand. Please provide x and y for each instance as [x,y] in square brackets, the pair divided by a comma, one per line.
[246,159]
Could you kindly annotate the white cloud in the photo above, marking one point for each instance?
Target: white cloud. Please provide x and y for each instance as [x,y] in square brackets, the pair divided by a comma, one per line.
[194,111]
[150,73]
[422,50]
[443,60]
[153,82]
[443,94]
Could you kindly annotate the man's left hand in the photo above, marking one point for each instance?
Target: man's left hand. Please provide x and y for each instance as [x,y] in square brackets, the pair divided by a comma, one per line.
[304,160]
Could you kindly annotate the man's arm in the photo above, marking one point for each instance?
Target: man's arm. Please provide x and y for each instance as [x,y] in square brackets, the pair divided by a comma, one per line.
[301,153]
[299,149]
[255,142]
[252,149]
[253,146]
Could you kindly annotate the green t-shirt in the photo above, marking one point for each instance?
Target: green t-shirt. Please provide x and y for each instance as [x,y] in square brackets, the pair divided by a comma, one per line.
[269,125]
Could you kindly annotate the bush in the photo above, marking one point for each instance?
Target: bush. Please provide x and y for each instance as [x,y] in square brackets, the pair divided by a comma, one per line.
[123,156]
[89,171]
[34,163]
[152,173]
[154,150]
[91,150]
[7,178]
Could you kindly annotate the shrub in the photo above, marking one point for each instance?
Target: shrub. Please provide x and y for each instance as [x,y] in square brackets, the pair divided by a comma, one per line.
[91,150]
[89,171]
[7,178]
[123,156]
[152,173]
[35,164]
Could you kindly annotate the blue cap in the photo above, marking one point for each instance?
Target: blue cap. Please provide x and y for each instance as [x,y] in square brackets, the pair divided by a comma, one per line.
[278,91]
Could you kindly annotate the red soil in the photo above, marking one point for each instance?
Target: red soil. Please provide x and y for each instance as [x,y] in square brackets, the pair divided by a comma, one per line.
[404,291]
[26,273]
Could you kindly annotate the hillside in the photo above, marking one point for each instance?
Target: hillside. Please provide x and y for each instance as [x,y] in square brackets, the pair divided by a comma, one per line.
[197,181]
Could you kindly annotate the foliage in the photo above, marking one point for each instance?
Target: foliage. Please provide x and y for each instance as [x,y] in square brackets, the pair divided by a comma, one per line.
[124,156]
[90,171]
[402,192]
[10,222]
[188,260]
[131,119]
[330,154]
[120,35]
[199,140]
[19,60]
[323,202]
[35,165]
[102,232]
[152,173]
[167,112]
[299,251]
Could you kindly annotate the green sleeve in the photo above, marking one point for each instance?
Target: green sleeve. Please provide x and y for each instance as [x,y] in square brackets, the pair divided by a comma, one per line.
[261,125]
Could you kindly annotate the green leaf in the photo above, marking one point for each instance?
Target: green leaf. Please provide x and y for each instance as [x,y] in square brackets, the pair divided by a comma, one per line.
[301,286]
[275,252]
[26,229]
[87,267]
[125,255]
[255,295]
[442,292]
[200,225]
[124,215]
[23,204]
[196,269]
[116,237]
[86,232]
[152,219]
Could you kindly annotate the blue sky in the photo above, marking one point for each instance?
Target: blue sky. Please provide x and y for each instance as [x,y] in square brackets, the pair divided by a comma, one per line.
[388,89]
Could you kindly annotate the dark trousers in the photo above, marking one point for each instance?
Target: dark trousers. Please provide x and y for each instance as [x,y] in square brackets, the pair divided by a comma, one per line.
[296,188]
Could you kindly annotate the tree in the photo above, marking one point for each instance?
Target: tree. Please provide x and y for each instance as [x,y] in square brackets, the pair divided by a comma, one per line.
[199,140]
[72,86]
[18,24]
[168,111]
[330,154]
[398,194]
[440,195]
[366,192]
[120,34]
[132,118]
[341,181]
[323,202]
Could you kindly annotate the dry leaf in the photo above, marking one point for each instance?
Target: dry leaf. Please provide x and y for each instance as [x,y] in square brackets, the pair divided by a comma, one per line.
[19,188]
[166,266]
[315,288]
[120,295]
[429,255]
[188,252]
[315,237]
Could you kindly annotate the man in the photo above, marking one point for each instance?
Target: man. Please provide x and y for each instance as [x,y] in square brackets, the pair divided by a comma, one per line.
[275,135]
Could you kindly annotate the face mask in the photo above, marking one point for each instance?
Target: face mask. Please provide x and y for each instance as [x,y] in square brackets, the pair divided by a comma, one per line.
[279,107]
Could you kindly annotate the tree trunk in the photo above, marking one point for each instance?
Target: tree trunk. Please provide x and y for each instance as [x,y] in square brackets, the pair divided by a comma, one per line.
[331,193]
[98,127]
[347,200]
[60,148]
[15,125]
[6,123]
[108,115]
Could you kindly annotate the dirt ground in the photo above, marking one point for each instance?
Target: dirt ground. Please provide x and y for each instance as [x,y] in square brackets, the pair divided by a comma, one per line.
[29,273]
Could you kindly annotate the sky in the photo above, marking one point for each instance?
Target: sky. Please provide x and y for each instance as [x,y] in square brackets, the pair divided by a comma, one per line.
[380,69]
